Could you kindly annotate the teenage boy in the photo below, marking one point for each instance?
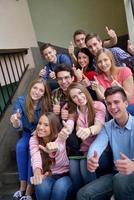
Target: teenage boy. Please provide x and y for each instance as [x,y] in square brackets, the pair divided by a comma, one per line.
[119,133]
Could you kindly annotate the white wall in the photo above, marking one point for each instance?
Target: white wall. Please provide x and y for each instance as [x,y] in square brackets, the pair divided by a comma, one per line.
[16,28]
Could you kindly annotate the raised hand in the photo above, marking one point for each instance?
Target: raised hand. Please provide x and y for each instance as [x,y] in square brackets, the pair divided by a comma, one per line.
[15,119]
[78,73]
[95,84]
[64,112]
[114,82]
[85,81]
[83,133]
[52,74]
[42,72]
[65,131]
[93,162]
[56,106]
[124,165]
[71,49]
[50,147]
[130,47]
[111,33]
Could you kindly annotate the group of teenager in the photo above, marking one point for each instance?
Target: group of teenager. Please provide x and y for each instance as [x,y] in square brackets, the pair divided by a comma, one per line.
[77,139]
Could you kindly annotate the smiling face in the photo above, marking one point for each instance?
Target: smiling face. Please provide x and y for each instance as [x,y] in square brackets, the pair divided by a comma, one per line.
[37,91]
[94,45]
[78,97]
[43,127]
[116,106]
[79,41]
[83,59]
[104,63]
[49,54]
[64,79]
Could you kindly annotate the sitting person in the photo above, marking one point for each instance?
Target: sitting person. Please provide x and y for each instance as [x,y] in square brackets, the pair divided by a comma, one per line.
[119,133]
[109,74]
[94,44]
[89,116]
[50,55]
[26,112]
[49,160]
[79,42]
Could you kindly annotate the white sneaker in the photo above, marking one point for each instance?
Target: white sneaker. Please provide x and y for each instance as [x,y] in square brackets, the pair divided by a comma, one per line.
[112,197]
[18,195]
[26,197]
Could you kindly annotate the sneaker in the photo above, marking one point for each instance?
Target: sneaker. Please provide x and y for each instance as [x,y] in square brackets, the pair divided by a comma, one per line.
[17,195]
[26,197]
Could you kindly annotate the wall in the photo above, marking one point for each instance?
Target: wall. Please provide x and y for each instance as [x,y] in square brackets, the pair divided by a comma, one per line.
[16,27]
[56,20]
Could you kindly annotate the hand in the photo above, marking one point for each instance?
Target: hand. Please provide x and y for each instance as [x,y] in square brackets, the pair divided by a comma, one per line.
[71,49]
[64,112]
[124,165]
[83,133]
[78,73]
[95,84]
[50,147]
[38,177]
[85,81]
[42,72]
[15,119]
[111,33]
[52,74]
[130,47]
[65,131]
[56,106]
[93,162]
[114,82]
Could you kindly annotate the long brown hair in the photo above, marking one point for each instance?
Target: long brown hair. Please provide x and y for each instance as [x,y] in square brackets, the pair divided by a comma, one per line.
[55,127]
[73,107]
[114,69]
[45,102]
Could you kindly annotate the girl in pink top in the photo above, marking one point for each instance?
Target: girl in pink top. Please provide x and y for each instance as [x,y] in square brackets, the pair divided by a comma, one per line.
[110,75]
[49,160]
[90,117]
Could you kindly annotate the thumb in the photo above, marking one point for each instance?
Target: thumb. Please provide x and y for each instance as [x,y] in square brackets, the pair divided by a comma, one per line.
[50,70]
[107,29]
[43,148]
[64,124]
[18,113]
[56,101]
[123,156]
[83,75]
[112,78]
[45,67]
[95,78]
[71,43]
[95,154]
[65,106]
[129,43]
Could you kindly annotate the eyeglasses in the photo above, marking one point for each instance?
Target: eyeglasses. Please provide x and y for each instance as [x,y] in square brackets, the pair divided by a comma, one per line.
[60,79]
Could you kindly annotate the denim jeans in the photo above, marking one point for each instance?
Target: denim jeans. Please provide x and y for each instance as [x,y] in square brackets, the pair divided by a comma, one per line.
[54,188]
[23,158]
[80,174]
[122,186]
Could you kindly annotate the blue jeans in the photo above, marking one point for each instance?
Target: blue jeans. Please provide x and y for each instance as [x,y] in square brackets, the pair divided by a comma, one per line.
[23,158]
[54,188]
[79,173]
[81,176]
[122,186]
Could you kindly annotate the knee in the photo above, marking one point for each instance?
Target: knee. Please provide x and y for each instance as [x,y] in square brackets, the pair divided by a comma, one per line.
[119,183]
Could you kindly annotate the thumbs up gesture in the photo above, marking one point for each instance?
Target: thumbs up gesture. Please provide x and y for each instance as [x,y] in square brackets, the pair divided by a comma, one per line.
[42,72]
[93,162]
[56,106]
[64,112]
[114,82]
[124,165]
[51,147]
[111,33]
[71,49]
[65,131]
[15,119]
[52,74]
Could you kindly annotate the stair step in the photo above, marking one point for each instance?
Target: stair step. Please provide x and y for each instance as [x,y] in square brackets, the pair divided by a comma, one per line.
[9,177]
[9,189]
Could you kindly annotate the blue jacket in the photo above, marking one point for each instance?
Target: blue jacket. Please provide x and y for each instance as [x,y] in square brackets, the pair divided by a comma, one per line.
[26,126]
[61,58]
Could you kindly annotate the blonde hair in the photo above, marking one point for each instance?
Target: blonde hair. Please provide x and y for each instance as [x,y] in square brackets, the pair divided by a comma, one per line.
[73,107]
[45,101]
[114,69]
